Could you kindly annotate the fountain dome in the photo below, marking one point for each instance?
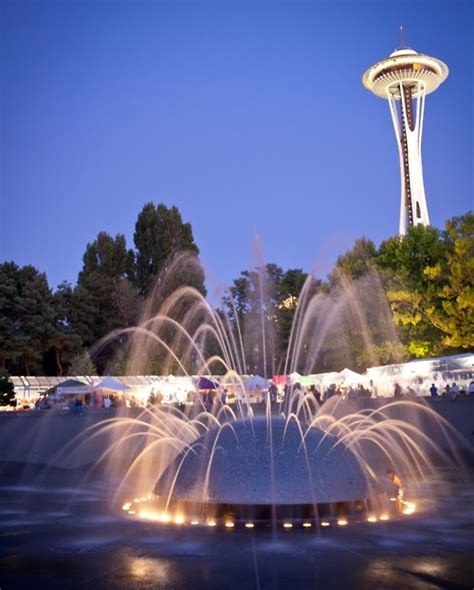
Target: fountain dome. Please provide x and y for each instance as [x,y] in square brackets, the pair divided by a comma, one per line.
[263,462]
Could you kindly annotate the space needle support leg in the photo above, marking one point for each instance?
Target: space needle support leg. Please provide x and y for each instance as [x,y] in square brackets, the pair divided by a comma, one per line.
[421,98]
[398,134]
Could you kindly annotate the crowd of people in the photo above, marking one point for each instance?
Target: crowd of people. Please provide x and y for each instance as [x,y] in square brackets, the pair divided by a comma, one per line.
[78,405]
[281,394]
[452,391]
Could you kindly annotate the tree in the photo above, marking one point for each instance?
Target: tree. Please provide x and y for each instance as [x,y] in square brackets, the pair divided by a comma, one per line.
[263,301]
[159,235]
[403,260]
[182,269]
[253,303]
[102,288]
[410,290]
[295,289]
[7,390]
[355,263]
[27,318]
[452,292]
[66,342]
[358,331]
[107,258]
[128,302]
[167,274]
[82,364]
[83,313]
[8,293]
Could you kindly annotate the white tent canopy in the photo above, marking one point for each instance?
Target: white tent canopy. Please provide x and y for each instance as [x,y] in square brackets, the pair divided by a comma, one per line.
[294,377]
[425,367]
[110,384]
[347,376]
[174,388]
[325,378]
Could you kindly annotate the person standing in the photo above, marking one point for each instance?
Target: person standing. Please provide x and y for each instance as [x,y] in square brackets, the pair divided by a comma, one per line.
[224,397]
[273,392]
[397,390]
[398,487]
[454,392]
[286,398]
[433,390]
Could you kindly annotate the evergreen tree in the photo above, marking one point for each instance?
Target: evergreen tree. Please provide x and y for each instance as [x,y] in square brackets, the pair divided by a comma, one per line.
[27,318]
[82,364]
[106,266]
[8,294]
[7,391]
[106,263]
[66,341]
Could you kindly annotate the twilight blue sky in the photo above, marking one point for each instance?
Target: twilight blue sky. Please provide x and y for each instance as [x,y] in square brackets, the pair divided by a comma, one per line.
[249,116]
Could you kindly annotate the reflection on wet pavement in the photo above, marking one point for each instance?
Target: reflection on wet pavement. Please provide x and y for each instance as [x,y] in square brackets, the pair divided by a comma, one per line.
[73,540]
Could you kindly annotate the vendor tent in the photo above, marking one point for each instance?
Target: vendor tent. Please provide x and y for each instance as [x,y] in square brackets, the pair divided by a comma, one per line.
[347,376]
[439,364]
[70,387]
[206,383]
[307,380]
[294,378]
[424,367]
[256,382]
[280,379]
[325,378]
[173,388]
[111,384]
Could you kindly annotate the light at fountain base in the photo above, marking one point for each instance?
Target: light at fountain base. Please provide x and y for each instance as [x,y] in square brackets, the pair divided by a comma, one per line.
[147,510]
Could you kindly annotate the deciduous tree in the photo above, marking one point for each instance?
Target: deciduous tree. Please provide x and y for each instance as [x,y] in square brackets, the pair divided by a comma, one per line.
[451,307]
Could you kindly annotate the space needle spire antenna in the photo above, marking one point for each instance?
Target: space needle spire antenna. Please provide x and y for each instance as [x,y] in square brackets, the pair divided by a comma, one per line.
[404,79]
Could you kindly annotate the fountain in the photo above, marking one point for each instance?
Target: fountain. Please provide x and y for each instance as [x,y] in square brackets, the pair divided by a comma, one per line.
[296,463]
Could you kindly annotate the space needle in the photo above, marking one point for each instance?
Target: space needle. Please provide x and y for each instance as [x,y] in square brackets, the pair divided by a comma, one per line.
[404,78]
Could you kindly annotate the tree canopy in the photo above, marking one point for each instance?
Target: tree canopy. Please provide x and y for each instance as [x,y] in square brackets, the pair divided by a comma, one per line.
[409,297]
[451,304]
[42,332]
[264,302]
[401,263]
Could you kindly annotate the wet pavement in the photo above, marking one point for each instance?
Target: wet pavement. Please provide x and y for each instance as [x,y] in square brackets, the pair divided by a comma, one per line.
[57,532]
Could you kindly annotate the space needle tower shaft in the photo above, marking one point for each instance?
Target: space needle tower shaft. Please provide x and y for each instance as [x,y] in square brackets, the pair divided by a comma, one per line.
[404,79]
